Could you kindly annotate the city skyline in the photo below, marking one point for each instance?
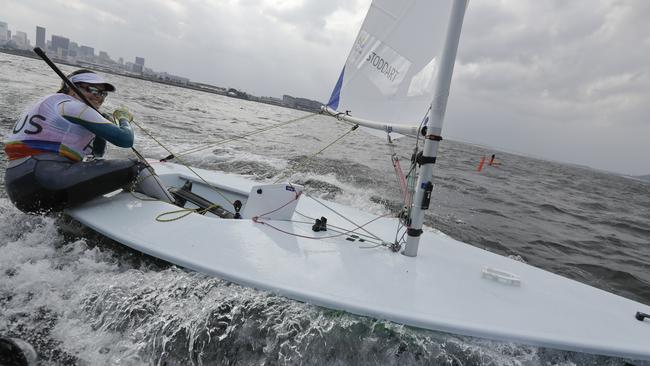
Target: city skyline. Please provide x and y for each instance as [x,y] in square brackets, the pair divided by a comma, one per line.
[63,47]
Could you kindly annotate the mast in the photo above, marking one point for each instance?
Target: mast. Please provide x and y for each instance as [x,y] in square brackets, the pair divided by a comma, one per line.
[433,136]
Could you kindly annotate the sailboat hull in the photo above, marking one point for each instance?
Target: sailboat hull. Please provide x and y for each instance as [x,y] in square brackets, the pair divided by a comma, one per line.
[450,286]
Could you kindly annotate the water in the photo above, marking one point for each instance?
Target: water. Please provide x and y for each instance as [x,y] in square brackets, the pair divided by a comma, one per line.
[83,299]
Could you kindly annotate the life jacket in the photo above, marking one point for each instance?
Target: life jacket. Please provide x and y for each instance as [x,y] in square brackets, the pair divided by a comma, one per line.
[43,129]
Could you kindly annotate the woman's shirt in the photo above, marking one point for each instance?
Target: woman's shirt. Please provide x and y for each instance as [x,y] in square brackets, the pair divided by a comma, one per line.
[63,125]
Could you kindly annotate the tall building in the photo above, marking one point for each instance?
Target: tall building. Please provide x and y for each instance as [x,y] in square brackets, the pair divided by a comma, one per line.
[73,49]
[60,45]
[87,52]
[40,37]
[4,29]
[21,40]
[139,65]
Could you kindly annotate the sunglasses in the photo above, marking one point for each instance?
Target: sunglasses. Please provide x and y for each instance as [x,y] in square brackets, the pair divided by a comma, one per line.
[96,92]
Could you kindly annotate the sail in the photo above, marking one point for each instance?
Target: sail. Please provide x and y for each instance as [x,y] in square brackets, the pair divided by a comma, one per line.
[389,74]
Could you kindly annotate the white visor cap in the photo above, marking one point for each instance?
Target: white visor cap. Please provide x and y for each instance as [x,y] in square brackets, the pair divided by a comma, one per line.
[91,78]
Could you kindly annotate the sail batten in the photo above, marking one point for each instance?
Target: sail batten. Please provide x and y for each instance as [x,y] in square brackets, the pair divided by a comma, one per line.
[388,77]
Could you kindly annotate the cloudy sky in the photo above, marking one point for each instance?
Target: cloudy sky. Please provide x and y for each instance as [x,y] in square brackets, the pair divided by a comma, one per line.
[562,80]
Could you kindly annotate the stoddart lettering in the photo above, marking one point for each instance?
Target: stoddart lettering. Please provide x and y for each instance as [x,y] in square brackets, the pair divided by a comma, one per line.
[382,66]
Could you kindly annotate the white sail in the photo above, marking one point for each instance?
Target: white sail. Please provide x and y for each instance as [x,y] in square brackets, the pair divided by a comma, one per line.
[389,74]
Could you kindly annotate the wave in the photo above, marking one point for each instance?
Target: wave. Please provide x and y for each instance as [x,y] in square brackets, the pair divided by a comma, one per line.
[490,212]
[633,227]
[608,278]
[551,208]
[594,206]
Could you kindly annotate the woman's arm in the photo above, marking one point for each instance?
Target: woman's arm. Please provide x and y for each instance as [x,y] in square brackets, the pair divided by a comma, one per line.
[81,114]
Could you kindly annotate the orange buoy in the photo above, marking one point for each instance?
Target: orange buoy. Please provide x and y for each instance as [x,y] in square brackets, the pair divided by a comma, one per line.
[480,165]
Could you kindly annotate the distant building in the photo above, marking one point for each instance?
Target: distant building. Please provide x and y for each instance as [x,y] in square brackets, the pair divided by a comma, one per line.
[21,41]
[212,88]
[4,30]
[271,100]
[86,52]
[163,76]
[301,103]
[40,37]
[138,67]
[104,58]
[60,45]
[73,50]
[232,92]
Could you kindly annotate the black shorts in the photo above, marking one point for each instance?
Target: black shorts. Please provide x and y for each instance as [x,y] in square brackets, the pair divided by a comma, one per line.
[49,183]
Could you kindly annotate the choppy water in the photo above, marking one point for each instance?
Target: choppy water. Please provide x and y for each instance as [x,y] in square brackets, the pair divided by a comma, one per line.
[87,300]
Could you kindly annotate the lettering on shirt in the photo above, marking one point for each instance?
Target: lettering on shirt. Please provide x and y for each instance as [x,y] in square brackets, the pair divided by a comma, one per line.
[33,122]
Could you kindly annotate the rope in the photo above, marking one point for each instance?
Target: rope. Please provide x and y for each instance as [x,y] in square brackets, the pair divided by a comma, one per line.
[297,195]
[398,172]
[186,165]
[256,220]
[308,158]
[186,211]
[345,218]
[338,228]
[239,137]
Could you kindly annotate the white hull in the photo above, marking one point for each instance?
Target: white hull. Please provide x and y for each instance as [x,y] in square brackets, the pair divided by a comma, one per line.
[450,286]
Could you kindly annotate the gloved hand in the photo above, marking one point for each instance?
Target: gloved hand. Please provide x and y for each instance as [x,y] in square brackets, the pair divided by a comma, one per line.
[123,113]
[108,117]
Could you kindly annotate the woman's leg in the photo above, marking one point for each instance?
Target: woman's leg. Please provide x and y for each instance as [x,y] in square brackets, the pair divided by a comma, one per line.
[83,181]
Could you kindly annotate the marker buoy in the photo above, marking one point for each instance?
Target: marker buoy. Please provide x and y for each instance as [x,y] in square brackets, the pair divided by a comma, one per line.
[480,165]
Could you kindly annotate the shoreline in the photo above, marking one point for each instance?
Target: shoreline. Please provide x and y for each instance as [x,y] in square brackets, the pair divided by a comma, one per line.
[31,54]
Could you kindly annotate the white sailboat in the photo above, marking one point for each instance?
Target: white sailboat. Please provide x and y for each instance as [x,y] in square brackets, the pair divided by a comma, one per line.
[396,80]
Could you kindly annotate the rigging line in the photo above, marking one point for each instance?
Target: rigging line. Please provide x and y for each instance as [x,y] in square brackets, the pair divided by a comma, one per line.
[308,158]
[345,218]
[403,185]
[295,198]
[339,228]
[399,227]
[239,137]
[343,231]
[340,233]
[256,220]
[183,211]
[217,190]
